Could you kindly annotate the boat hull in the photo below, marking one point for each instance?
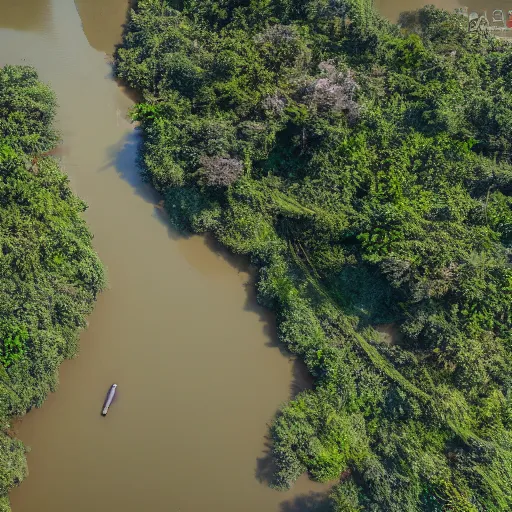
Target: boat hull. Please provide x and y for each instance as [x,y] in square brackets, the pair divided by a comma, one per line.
[108,400]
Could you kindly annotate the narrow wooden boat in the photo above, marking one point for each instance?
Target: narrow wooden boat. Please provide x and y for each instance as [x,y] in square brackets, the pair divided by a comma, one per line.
[108,400]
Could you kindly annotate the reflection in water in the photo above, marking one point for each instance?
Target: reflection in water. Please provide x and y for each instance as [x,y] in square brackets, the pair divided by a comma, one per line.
[14,14]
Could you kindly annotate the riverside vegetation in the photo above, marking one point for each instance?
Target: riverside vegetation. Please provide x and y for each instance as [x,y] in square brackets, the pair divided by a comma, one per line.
[366,171]
[49,273]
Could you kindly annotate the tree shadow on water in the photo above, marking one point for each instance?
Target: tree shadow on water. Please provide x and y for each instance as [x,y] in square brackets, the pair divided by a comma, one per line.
[265,467]
[313,502]
[124,159]
[301,378]
[242,264]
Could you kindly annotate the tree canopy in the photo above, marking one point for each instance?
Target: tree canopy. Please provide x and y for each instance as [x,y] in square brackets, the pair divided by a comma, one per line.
[49,273]
[366,170]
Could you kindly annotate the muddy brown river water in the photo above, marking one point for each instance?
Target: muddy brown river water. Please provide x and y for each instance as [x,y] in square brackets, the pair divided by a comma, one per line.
[198,370]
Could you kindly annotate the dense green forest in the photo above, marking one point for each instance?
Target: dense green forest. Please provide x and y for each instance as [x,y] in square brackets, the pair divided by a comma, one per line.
[366,169]
[49,273]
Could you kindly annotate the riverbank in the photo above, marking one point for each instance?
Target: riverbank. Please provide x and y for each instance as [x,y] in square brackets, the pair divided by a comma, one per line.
[50,273]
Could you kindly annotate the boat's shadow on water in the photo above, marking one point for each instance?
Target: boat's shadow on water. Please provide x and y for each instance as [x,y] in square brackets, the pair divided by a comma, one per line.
[124,158]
